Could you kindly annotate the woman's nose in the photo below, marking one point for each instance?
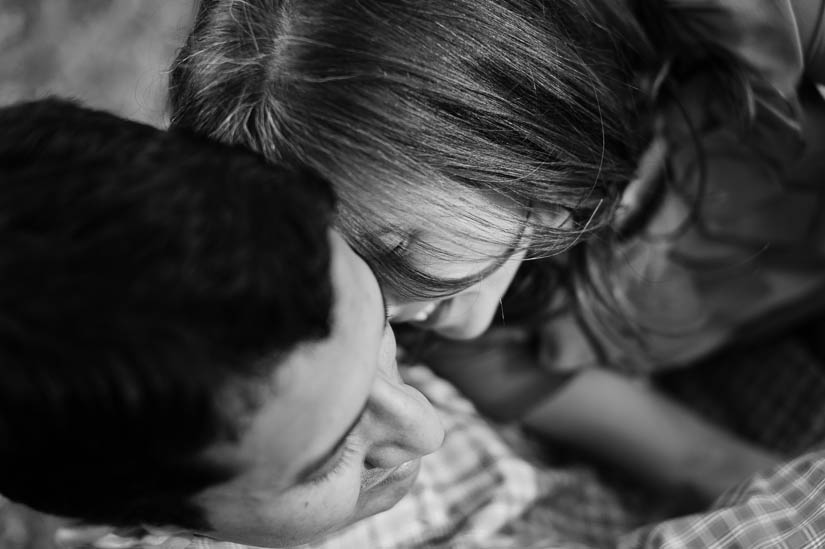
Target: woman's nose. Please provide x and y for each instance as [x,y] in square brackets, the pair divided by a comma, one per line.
[402,424]
[411,312]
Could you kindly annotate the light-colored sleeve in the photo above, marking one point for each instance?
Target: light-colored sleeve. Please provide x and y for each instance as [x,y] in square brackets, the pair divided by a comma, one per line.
[763,34]
[810,20]
[734,250]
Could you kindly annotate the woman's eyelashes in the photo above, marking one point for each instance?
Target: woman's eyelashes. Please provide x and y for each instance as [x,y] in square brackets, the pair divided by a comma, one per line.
[338,463]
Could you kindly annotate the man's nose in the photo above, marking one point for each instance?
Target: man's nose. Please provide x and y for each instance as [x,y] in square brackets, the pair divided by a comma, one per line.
[402,423]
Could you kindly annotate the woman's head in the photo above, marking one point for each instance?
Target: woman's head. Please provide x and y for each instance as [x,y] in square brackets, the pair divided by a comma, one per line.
[450,130]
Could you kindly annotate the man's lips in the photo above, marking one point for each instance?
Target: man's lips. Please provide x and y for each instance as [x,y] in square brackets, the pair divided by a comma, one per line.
[384,477]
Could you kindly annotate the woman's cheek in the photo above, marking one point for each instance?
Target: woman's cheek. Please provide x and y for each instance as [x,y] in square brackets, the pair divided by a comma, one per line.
[469,316]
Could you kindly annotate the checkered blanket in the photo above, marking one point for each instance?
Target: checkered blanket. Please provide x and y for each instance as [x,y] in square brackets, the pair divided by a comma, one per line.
[492,487]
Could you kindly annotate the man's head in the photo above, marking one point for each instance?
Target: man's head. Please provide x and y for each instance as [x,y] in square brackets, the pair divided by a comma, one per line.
[184,341]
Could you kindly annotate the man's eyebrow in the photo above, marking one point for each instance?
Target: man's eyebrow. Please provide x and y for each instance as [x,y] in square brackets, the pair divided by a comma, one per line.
[309,470]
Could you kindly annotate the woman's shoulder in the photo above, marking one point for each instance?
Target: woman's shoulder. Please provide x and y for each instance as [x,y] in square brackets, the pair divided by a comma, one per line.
[777,39]
[763,35]
[809,16]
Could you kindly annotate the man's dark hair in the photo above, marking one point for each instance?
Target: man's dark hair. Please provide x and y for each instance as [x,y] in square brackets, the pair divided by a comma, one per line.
[146,277]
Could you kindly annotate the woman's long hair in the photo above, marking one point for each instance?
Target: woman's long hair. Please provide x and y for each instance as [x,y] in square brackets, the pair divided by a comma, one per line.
[420,111]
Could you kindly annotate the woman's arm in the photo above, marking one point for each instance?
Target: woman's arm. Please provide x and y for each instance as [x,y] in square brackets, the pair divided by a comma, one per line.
[628,423]
[613,417]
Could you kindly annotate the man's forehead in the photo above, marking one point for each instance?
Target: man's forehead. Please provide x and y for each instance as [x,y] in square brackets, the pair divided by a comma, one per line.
[353,276]
[316,391]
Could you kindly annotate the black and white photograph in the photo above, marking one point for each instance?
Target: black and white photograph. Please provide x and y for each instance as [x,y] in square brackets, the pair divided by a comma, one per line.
[412,274]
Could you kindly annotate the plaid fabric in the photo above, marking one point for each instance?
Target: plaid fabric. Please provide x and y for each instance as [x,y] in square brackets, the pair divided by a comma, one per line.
[491,487]
[476,490]
[483,488]
[782,509]
[774,394]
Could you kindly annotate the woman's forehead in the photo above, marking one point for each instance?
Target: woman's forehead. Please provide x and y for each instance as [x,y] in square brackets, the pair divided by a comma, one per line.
[457,257]
[435,266]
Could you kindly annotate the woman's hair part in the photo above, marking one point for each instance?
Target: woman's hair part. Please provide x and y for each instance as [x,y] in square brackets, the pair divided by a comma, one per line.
[419,112]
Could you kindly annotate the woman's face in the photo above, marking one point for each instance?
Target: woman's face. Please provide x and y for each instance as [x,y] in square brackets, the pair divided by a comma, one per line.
[468,313]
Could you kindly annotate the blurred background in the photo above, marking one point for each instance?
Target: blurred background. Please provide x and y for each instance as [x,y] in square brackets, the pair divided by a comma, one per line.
[108,54]
[112,55]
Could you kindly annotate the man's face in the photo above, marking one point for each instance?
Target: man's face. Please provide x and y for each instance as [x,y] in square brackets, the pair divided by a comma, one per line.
[339,435]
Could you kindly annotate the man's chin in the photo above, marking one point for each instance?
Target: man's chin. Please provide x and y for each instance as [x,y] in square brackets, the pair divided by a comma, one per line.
[385,491]
[381,496]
